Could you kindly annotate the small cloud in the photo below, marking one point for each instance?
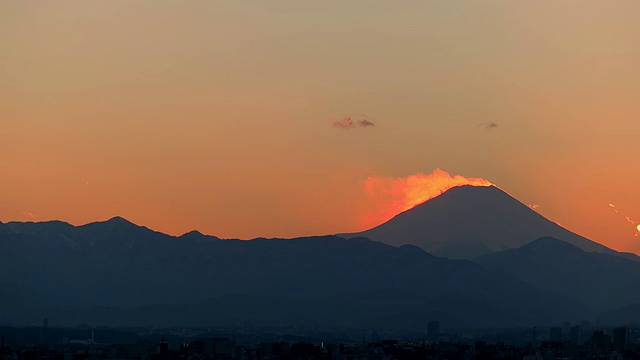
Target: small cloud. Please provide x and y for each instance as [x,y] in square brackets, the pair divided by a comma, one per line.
[345,123]
[490,126]
[350,123]
[30,214]
[365,123]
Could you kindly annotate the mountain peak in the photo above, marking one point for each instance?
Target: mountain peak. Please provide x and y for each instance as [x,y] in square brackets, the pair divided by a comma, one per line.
[193,233]
[544,247]
[119,220]
[470,193]
[465,222]
[550,243]
[198,236]
[116,223]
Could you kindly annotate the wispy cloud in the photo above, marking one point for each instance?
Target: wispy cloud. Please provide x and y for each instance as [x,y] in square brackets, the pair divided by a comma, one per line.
[350,123]
[365,123]
[490,126]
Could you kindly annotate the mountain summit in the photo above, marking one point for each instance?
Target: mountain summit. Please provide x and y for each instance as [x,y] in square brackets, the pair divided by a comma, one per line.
[468,221]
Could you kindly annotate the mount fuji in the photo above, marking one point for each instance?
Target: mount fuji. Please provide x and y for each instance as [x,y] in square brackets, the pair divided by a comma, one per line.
[469,221]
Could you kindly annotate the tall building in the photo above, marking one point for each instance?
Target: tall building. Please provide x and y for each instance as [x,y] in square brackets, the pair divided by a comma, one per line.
[620,338]
[575,335]
[555,334]
[163,347]
[599,344]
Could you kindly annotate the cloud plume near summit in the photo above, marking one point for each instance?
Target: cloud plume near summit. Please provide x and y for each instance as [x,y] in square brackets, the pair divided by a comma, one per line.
[391,196]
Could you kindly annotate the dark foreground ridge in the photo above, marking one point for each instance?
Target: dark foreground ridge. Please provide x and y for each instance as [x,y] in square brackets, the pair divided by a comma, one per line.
[116,273]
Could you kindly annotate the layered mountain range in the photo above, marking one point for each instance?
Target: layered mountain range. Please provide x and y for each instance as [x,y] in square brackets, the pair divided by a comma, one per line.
[472,257]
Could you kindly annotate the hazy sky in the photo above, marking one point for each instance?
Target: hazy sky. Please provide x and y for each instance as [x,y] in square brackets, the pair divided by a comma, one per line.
[218,115]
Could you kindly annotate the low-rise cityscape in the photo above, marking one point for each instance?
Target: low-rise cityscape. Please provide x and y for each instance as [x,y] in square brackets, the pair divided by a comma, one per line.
[569,341]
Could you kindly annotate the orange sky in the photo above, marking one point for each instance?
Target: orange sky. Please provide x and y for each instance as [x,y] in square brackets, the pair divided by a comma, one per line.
[217,115]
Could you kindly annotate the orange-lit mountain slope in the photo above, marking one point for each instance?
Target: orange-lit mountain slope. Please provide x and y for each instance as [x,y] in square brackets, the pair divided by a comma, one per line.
[469,221]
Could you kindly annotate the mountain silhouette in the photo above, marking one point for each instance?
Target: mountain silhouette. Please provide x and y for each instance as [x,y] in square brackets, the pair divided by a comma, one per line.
[469,221]
[600,280]
[118,273]
[628,315]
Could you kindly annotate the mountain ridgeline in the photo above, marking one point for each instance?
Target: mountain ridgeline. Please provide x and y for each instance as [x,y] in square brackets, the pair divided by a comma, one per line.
[530,272]
[468,221]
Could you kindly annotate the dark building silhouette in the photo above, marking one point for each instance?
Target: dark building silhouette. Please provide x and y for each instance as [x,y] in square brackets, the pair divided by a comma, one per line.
[305,351]
[163,347]
[277,350]
[620,339]
[599,344]
[555,334]
[575,335]
[219,348]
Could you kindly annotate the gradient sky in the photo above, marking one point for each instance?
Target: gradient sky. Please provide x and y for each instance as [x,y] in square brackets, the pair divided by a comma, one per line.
[217,115]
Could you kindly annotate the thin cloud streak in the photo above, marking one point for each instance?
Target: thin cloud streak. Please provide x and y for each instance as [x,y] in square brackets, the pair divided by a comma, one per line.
[349,123]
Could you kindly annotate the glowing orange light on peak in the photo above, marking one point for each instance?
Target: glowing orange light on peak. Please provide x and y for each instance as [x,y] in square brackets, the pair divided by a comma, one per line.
[392,196]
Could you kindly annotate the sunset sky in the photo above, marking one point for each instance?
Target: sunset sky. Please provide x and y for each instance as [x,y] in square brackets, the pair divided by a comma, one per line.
[223,116]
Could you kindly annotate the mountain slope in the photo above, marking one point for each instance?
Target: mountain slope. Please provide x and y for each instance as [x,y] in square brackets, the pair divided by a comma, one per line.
[599,280]
[628,315]
[117,273]
[468,221]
